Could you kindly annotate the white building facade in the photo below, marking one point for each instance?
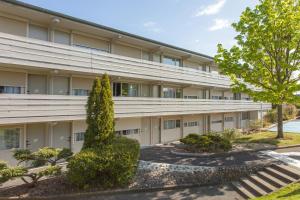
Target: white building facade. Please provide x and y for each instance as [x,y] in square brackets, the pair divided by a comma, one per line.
[162,93]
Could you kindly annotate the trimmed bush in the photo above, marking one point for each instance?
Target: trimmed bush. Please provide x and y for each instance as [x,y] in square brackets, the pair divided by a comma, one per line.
[230,134]
[107,165]
[207,143]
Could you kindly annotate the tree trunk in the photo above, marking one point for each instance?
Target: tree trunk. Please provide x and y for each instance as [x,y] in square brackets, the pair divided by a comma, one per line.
[280,121]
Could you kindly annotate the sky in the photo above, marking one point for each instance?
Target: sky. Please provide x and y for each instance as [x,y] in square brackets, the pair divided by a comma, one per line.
[197,25]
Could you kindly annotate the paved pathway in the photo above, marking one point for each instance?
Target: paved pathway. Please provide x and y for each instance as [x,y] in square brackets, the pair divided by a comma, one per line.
[197,193]
[163,154]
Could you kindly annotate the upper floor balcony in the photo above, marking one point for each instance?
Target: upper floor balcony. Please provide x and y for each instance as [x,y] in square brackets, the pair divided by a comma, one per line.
[36,54]
[23,108]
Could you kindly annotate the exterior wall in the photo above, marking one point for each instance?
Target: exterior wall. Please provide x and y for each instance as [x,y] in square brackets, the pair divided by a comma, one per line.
[230,124]
[128,51]
[82,83]
[9,78]
[228,95]
[194,129]
[193,92]
[90,42]
[190,64]
[216,127]
[216,93]
[169,135]
[12,26]
[130,123]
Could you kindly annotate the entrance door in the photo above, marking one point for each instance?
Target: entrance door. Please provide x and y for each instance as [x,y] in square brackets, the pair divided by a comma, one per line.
[61,135]
[35,136]
[37,84]
[60,85]
[145,131]
[155,131]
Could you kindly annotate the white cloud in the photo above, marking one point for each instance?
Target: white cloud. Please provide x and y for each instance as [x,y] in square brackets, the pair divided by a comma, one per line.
[211,9]
[152,26]
[219,24]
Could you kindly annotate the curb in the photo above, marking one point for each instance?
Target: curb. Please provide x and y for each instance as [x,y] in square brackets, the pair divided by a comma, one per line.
[117,191]
[230,153]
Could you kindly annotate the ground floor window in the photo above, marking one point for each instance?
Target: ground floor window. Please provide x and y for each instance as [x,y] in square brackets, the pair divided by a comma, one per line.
[216,121]
[191,97]
[191,124]
[128,131]
[9,138]
[245,115]
[78,137]
[10,90]
[171,124]
[228,119]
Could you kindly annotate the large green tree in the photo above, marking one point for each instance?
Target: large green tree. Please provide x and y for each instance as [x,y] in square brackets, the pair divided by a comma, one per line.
[267,54]
[100,114]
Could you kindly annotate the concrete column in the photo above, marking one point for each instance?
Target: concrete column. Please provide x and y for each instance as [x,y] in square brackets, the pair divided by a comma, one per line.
[25,136]
[223,121]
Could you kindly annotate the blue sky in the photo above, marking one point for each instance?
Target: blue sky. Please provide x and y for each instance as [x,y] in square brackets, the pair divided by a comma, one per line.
[198,25]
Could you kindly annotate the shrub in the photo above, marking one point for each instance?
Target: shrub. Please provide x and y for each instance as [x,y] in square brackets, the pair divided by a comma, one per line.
[255,125]
[289,112]
[45,156]
[230,134]
[211,142]
[107,165]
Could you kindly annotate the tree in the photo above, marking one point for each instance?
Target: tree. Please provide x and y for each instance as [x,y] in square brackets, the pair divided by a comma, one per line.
[100,114]
[267,54]
[46,158]
[93,112]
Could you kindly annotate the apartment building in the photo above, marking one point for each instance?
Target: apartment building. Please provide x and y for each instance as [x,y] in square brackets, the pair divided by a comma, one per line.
[48,62]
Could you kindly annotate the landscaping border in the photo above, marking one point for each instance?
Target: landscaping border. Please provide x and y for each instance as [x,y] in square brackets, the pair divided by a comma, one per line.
[223,154]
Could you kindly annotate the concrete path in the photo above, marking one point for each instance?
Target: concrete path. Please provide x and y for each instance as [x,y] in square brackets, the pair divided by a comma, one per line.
[163,155]
[197,193]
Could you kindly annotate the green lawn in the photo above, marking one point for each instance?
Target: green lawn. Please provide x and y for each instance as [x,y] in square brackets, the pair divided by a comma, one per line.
[290,192]
[269,138]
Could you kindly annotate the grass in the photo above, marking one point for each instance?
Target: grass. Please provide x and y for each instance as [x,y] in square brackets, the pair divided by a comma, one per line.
[290,192]
[270,138]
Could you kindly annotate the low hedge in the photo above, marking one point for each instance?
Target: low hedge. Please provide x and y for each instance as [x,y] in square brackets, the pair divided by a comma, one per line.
[207,142]
[107,165]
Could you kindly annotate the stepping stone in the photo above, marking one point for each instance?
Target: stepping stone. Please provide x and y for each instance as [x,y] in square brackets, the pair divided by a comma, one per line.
[271,179]
[280,175]
[289,170]
[254,187]
[264,184]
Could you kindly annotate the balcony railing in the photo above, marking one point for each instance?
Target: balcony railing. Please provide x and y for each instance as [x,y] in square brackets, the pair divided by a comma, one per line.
[27,52]
[38,108]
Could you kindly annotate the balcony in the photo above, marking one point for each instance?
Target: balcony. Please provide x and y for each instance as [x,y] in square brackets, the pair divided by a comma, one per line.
[21,108]
[31,53]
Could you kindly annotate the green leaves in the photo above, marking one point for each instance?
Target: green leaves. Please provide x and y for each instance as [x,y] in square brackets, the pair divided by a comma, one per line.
[100,114]
[268,52]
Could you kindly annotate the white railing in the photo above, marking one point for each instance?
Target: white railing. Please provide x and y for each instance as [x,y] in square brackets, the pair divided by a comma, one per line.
[39,108]
[29,52]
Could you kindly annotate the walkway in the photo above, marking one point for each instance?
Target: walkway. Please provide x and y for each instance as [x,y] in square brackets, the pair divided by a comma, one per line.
[163,154]
[197,193]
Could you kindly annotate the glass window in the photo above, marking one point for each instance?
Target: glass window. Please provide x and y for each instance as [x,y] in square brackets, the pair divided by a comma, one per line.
[171,61]
[191,97]
[228,119]
[116,89]
[216,121]
[172,93]
[171,124]
[9,138]
[81,92]
[128,132]
[245,115]
[38,32]
[61,37]
[79,136]
[10,90]
[216,97]
[129,90]
[191,124]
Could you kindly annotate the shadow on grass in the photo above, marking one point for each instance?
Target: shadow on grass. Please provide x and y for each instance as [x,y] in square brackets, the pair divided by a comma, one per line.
[272,141]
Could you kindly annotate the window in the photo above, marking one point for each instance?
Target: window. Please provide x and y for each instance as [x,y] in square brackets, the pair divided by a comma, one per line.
[191,124]
[228,119]
[128,132]
[61,37]
[10,90]
[216,97]
[125,89]
[171,124]
[92,48]
[172,93]
[38,32]
[191,97]
[245,115]
[216,121]
[171,61]
[9,138]
[81,92]
[78,137]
